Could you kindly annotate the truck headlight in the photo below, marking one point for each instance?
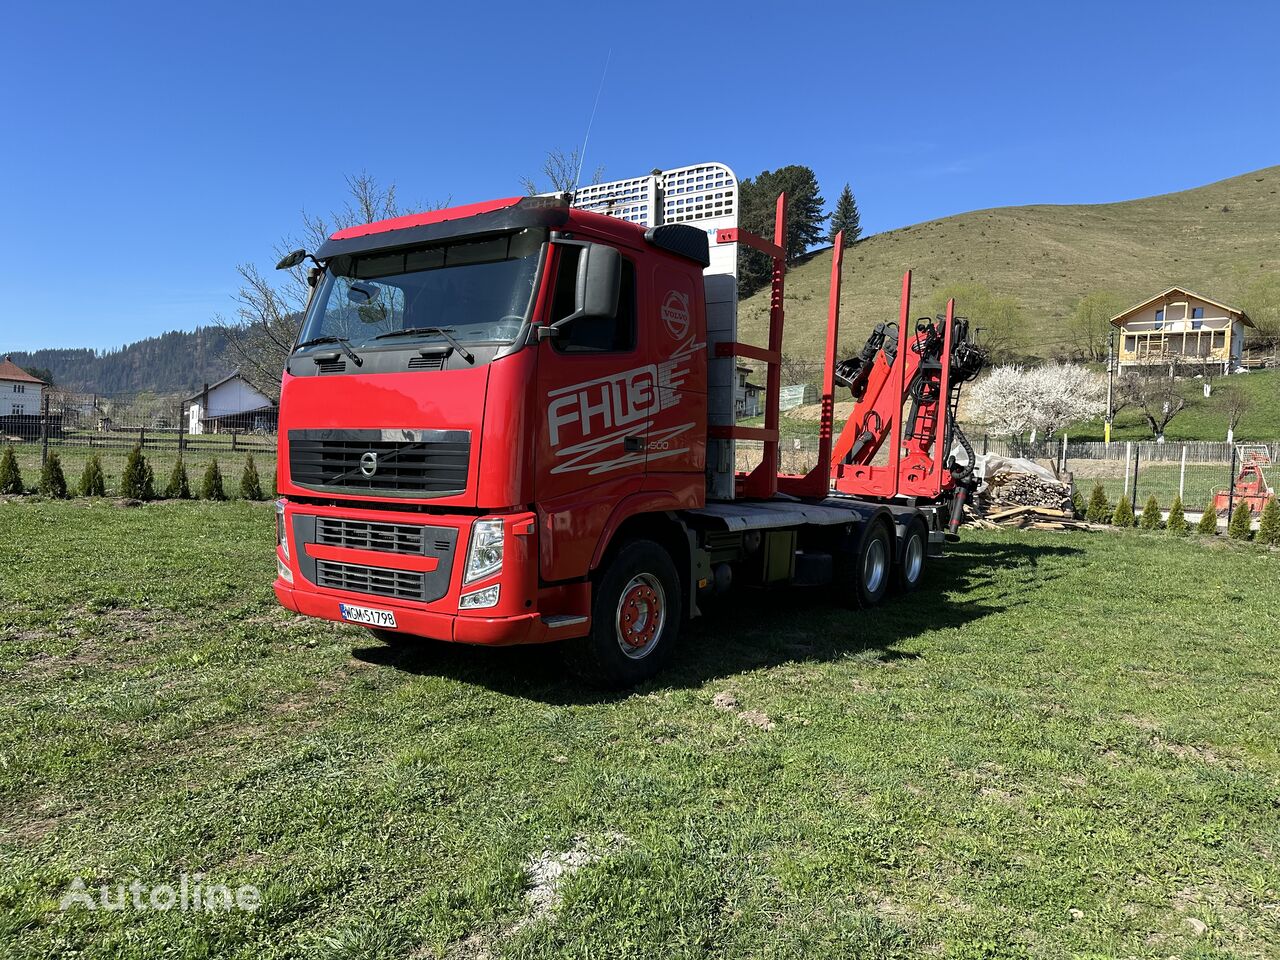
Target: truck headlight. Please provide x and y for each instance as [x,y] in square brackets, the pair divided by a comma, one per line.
[282,540]
[484,556]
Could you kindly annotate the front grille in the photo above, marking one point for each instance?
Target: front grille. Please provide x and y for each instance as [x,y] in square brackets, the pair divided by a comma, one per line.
[401,584]
[404,463]
[362,535]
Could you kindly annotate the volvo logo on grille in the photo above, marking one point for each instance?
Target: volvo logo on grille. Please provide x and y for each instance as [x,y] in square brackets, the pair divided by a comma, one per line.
[369,464]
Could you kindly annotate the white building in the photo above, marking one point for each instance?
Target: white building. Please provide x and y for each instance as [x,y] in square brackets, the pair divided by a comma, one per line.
[231,404]
[746,395]
[21,394]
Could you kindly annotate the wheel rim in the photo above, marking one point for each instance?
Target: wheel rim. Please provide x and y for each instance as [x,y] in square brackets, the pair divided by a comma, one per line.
[873,567]
[913,561]
[642,613]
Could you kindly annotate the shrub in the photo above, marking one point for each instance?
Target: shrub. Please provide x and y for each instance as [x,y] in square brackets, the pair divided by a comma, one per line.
[138,482]
[1177,522]
[1078,503]
[1269,526]
[211,485]
[1208,524]
[10,475]
[250,484]
[1150,519]
[1123,517]
[179,487]
[52,482]
[1240,526]
[92,481]
[1099,509]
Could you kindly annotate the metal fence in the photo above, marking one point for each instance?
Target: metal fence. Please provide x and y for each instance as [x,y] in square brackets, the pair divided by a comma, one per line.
[76,426]
[1196,471]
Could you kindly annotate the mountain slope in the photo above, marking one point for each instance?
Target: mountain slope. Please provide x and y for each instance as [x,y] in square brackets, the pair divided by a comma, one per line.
[175,362]
[1214,239]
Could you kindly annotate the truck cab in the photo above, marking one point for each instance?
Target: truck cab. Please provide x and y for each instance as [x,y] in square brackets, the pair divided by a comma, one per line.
[479,398]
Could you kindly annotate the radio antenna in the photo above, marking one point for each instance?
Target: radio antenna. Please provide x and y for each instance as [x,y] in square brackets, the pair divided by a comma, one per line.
[582,154]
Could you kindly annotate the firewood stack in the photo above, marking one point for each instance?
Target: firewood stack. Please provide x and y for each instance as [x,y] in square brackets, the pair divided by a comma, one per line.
[1025,490]
[1027,501]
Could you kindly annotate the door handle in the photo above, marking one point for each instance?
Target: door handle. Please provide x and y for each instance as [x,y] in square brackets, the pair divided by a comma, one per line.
[632,444]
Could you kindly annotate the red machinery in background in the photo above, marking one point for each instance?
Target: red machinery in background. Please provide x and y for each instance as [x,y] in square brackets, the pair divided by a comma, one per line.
[1250,485]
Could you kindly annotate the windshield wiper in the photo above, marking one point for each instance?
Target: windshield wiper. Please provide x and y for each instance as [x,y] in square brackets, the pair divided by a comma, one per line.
[424,331]
[343,343]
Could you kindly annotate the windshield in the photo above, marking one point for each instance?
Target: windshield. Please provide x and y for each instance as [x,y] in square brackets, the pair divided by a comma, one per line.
[475,290]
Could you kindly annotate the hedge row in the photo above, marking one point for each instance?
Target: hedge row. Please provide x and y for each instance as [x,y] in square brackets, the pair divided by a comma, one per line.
[1239,526]
[137,483]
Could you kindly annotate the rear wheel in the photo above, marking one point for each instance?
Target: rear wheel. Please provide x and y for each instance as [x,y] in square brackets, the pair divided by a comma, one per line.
[636,613]
[862,575]
[910,570]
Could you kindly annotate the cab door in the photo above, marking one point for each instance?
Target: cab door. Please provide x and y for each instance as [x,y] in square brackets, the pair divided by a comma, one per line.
[597,389]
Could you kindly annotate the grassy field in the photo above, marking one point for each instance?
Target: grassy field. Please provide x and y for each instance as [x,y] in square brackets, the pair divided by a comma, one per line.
[1205,418]
[1048,752]
[1215,239]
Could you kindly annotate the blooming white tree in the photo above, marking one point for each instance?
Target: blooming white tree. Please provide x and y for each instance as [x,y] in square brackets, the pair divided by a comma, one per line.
[1013,400]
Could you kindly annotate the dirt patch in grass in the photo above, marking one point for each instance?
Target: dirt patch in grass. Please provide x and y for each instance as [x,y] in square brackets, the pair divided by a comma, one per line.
[728,703]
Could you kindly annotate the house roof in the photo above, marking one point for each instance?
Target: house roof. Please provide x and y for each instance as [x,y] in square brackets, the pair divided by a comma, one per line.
[1183,291]
[233,375]
[11,371]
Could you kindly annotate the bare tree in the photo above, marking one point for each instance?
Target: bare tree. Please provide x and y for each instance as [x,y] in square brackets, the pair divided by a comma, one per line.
[1158,397]
[561,171]
[1090,325]
[1236,403]
[268,313]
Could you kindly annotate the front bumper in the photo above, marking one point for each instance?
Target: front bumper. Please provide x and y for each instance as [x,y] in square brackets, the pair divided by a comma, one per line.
[525,612]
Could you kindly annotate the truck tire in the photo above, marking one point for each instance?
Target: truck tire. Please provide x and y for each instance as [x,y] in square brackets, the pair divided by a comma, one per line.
[636,612]
[909,570]
[864,569]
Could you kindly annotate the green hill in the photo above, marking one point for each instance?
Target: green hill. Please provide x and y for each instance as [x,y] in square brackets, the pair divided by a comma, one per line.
[1215,239]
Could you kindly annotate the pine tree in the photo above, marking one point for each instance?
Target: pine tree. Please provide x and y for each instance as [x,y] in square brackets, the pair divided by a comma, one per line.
[1123,516]
[1269,526]
[92,481]
[1150,519]
[138,482]
[211,485]
[1240,526]
[250,485]
[179,487]
[1208,525]
[1078,503]
[52,482]
[1177,522]
[845,218]
[1099,509]
[10,475]
[757,205]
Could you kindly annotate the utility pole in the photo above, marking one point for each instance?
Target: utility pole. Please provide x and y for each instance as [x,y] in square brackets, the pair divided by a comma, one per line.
[1111,377]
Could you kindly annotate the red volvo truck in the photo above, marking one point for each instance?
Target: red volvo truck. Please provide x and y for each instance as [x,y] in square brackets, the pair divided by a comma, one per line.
[514,422]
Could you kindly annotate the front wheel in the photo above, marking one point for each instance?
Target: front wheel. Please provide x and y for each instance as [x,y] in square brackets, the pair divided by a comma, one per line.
[636,613]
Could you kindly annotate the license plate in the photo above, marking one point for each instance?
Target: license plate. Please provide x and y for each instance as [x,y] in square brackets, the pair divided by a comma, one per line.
[367,615]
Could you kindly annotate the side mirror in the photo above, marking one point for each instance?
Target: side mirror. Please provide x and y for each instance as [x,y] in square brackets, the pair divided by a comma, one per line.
[291,259]
[599,281]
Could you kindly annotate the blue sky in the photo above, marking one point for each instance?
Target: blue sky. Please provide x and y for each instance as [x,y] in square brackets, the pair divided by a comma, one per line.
[151,148]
